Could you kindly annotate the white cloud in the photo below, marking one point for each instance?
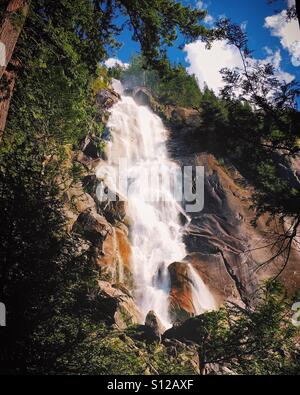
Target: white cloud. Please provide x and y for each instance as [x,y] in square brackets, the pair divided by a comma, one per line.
[200,5]
[244,25]
[209,19]
[207,63]
[288,32]
[111,62]
[291,3]
[275,59]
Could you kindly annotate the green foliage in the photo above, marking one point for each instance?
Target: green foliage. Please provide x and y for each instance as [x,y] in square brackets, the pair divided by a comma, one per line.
[261,143]
[181,364]
[55,324]
[181,90]
[17,19]
[115,72]
[177,87]
[101,81]
[249,341]
[60,56]
[44,287]
[156,25]
[52,98]
[270,132]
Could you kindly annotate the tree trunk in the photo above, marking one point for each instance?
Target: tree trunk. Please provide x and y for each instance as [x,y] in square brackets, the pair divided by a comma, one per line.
[10,29]
[298,10]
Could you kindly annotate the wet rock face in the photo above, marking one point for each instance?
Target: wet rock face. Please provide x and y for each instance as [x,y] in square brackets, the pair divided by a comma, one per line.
[109,245]
[90,149]
[221,242]
[229,248]
[219,236]
[181,301]
[114,258]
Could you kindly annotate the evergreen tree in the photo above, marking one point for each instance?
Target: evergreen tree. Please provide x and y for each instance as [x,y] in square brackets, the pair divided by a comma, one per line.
[258,112]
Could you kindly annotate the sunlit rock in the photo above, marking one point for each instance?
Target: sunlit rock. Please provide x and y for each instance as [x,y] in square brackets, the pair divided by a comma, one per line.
[154,322]
[117,305]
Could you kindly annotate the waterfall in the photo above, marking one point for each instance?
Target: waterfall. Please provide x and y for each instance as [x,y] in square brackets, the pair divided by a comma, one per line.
[139,136]
[203,300]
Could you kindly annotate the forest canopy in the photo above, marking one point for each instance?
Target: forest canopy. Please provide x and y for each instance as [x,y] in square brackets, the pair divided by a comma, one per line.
[48,93]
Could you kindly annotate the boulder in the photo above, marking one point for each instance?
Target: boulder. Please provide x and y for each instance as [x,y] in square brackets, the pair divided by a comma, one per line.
[181,301]
[187,332]
[90,148]
[154,322]
[93,227]
[150,332]
[117,305]
[106,98]
[76,201]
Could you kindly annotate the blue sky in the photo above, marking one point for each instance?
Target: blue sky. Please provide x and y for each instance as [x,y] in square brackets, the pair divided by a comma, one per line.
[252,14]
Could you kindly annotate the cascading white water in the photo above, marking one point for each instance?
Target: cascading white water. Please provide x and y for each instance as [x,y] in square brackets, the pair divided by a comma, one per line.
[203,300]
[138,136]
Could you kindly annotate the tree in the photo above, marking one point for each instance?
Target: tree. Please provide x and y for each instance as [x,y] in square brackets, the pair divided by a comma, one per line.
[175,87]
[268,141]
[55,323]
[92,25]
[298,10]
[293,11]
[10,30]
[261,340]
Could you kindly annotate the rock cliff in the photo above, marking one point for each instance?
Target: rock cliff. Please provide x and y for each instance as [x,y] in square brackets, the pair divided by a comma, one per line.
[222,244]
